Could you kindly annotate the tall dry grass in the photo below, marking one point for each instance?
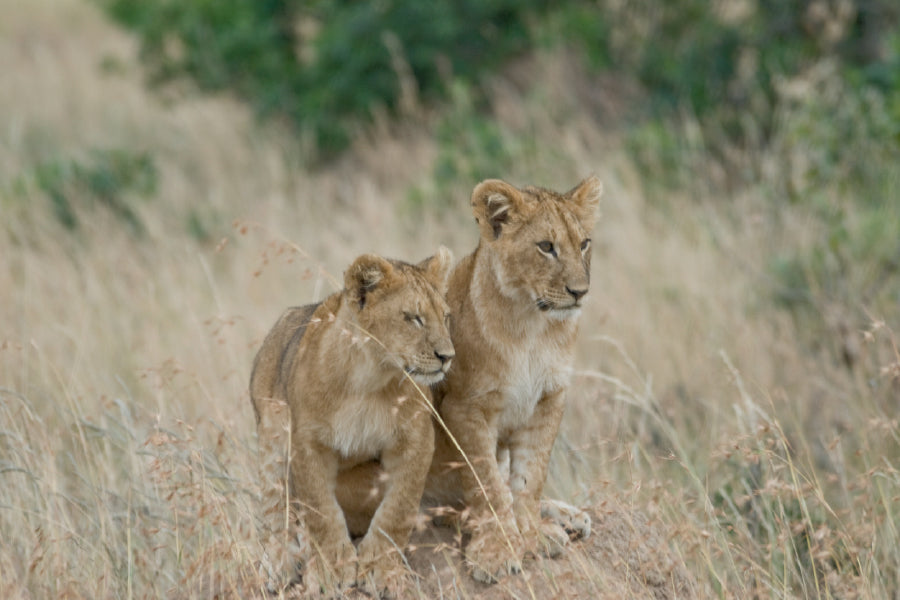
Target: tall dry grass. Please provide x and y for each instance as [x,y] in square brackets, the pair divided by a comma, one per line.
[126,435]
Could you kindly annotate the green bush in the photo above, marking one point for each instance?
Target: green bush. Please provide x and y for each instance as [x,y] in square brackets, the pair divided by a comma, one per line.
[110,178]
[714,78]
[727,71]
[471,147]
[327,65]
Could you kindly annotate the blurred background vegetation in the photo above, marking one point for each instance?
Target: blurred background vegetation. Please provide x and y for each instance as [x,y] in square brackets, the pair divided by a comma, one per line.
[800,97]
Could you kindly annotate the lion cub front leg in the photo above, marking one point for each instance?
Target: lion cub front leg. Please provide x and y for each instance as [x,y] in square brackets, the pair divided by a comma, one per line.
[405,465]
[530,448]
[496,546]
[331,564]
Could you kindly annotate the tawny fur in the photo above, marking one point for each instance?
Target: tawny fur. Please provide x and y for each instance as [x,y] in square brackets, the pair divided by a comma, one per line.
[515,302]
[346,382]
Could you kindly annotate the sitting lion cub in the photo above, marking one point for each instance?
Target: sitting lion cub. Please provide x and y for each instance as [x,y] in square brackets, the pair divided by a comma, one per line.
[515,301]
[351,375]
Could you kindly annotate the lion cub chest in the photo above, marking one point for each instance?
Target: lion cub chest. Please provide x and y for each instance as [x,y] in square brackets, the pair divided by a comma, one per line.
[363,426]
[534,370]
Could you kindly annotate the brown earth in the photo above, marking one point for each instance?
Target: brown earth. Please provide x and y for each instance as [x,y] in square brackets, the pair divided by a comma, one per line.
[626,556]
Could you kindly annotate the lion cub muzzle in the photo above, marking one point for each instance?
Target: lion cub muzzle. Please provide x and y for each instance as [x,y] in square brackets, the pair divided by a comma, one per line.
[432,369]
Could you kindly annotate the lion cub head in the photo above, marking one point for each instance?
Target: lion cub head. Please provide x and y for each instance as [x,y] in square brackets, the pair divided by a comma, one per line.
[540,241]
[402,309]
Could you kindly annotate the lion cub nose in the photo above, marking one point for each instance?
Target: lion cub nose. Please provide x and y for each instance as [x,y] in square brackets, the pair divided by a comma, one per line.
[577,293]
[444,356]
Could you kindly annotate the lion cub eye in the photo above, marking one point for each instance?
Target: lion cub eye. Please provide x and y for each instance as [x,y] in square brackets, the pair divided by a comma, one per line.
[547,248]
[585,244]
[414,319]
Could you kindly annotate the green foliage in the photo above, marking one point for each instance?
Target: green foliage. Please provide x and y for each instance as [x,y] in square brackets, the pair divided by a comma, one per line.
[659,148]
[472,146]
[841,154]
[111,178]
[766,506]
[722,87]
[220,44]
[799,100]
[728,69]
[690,58]
[202,224]
[583,27]
[326,65]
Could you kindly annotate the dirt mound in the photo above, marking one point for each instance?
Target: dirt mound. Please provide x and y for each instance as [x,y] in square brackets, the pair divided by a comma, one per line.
[626,556]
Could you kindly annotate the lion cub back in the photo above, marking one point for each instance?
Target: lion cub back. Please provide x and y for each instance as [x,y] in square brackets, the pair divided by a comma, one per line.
[277,349]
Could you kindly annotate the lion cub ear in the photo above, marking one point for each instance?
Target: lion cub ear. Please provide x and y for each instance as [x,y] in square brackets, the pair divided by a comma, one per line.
[437,268]
[494,203]
[364,275]
[586,196]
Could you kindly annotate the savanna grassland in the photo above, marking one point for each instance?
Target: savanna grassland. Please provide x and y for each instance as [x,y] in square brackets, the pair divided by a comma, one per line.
[735,399]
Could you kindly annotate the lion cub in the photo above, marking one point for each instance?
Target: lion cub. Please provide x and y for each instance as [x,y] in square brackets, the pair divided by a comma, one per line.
[515,301]
[352,374]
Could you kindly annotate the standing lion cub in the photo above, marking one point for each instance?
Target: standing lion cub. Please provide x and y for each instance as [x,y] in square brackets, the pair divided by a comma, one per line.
[351,376]
[515,301]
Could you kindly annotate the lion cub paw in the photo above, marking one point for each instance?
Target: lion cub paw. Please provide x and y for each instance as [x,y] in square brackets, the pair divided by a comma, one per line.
[331,571]
[278,566]
[381,573]
[493,555]
[575,522]
[551,540]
